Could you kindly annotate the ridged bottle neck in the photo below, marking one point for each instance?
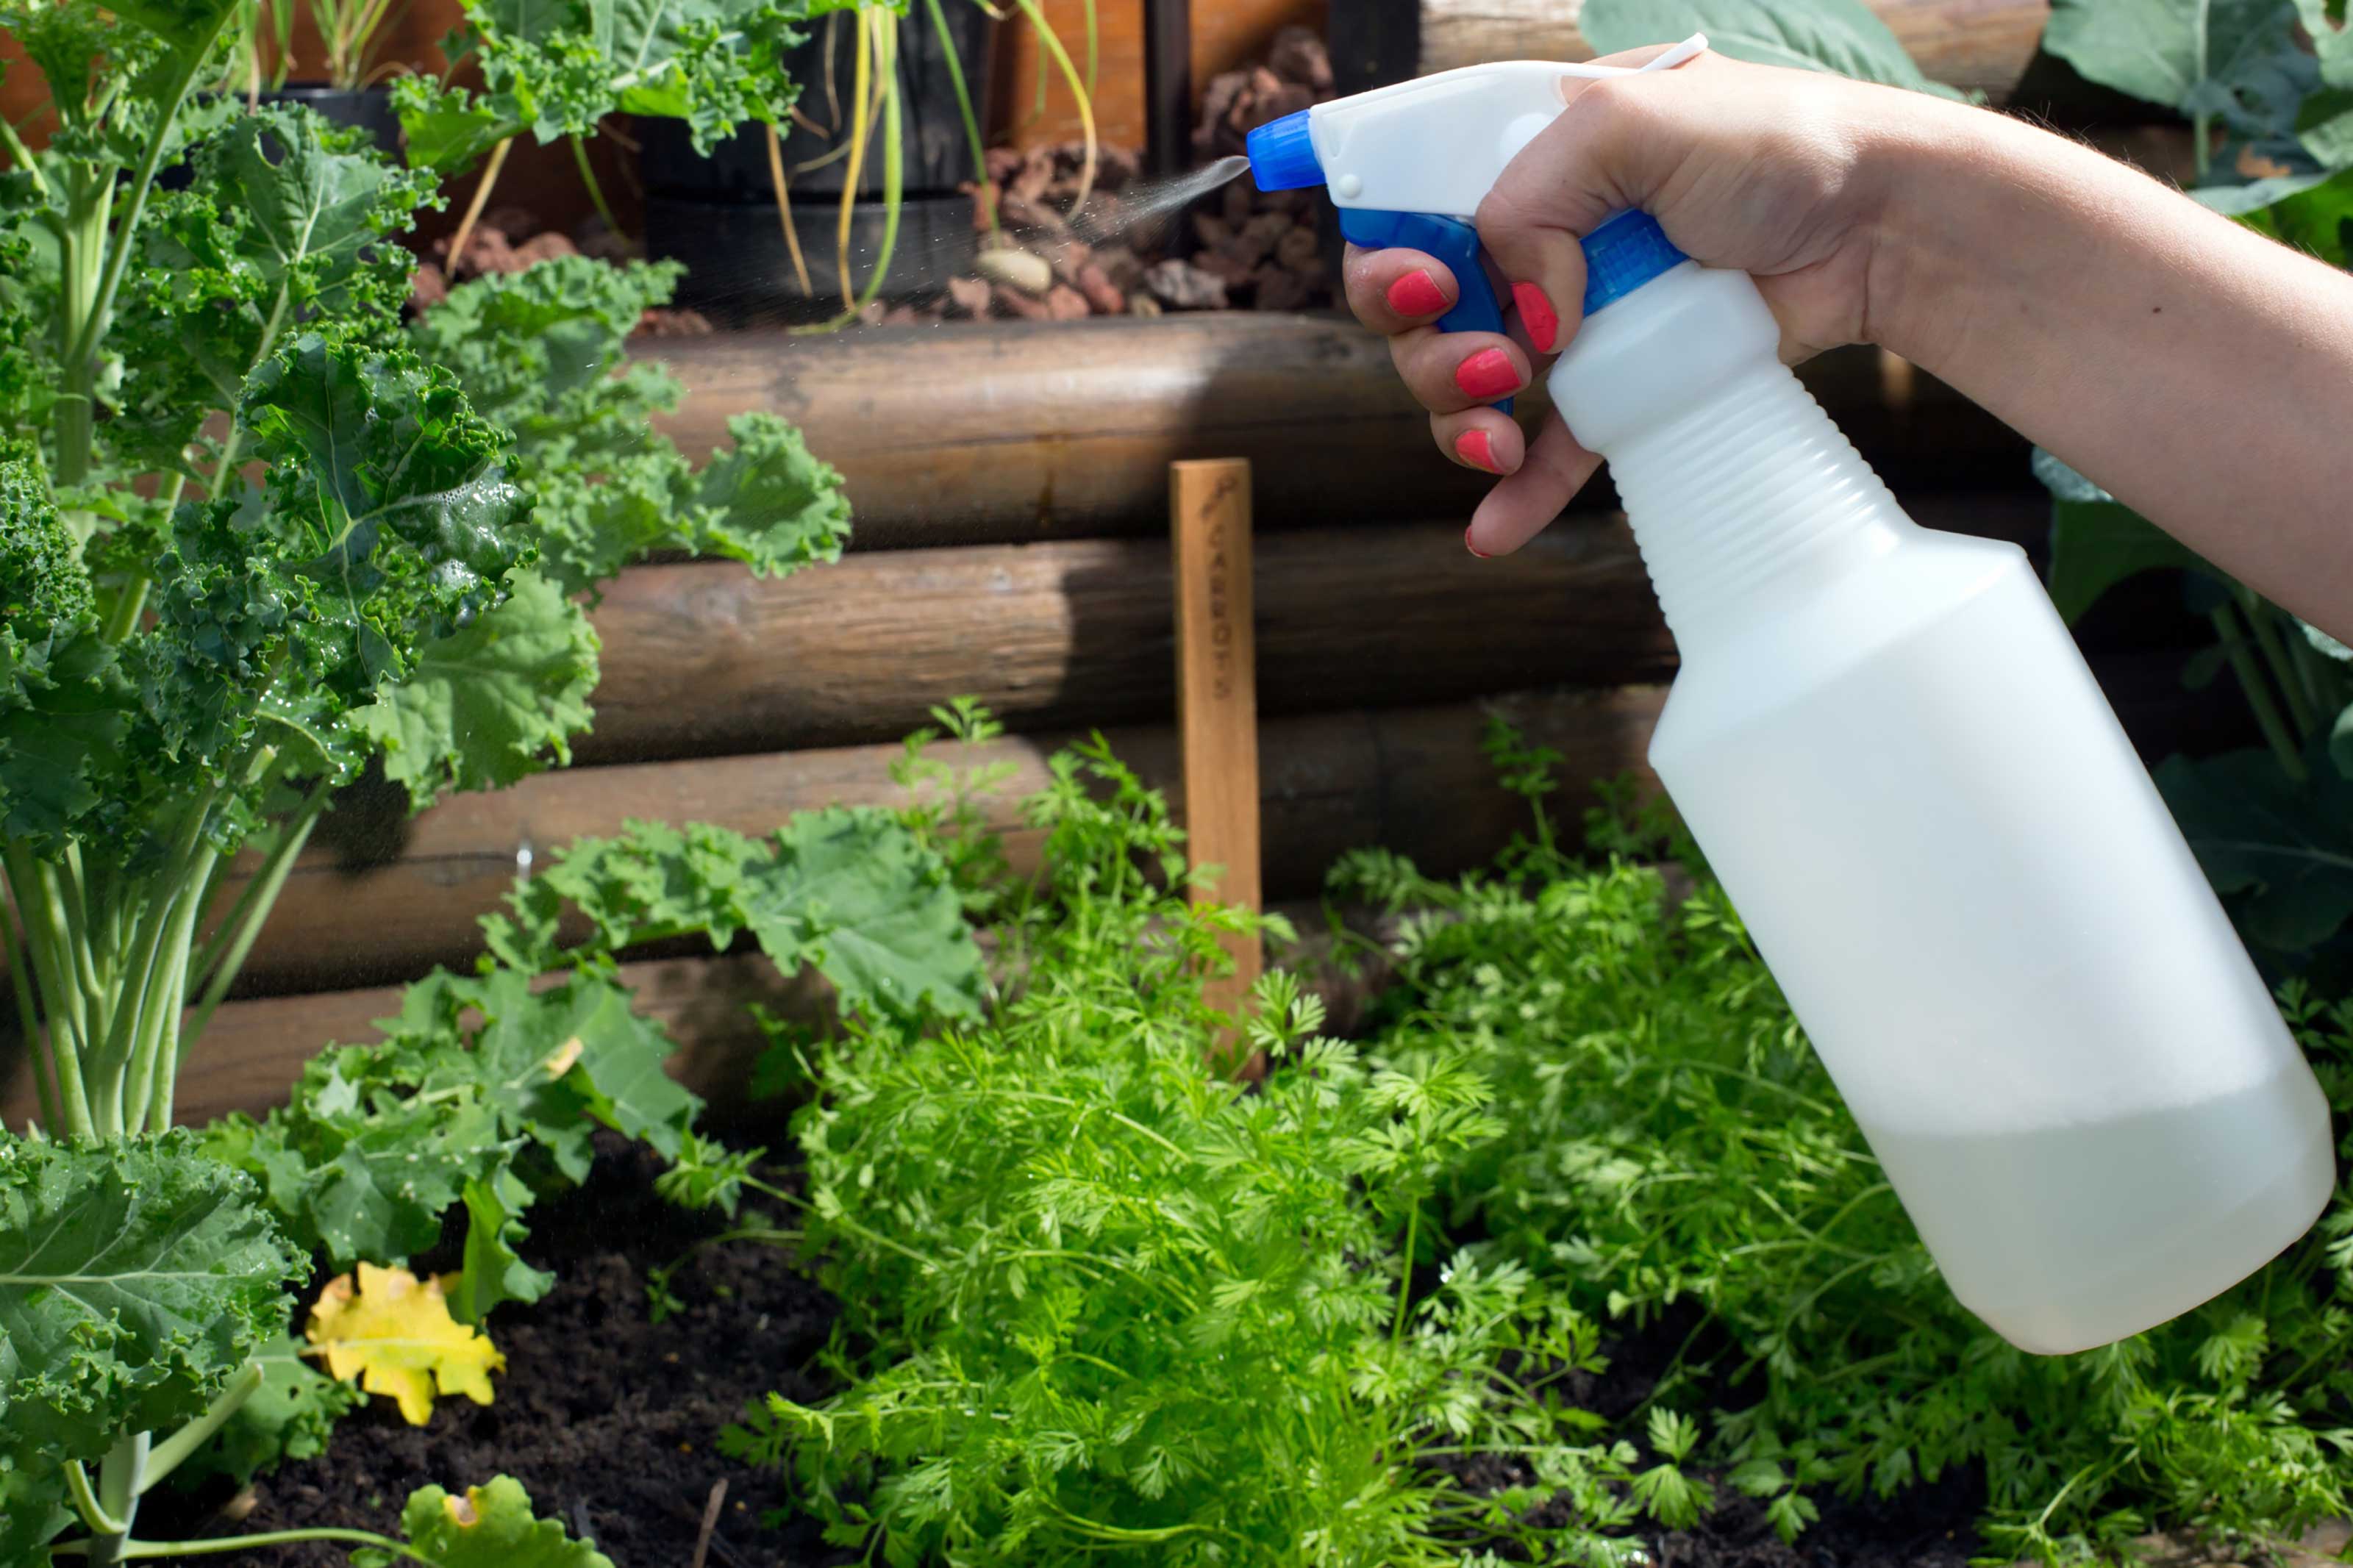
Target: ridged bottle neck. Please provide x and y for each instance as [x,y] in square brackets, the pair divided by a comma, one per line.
[1748,499]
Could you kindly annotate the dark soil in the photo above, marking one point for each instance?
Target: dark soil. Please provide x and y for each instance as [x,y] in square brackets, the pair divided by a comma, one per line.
[606,1417]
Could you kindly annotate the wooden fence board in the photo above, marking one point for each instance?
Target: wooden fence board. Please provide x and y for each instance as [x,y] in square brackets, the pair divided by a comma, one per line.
[701,658]
[969,434]
[1984,44]
[1410,778]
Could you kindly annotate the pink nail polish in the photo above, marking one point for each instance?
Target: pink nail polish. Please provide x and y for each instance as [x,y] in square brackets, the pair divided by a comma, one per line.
[1477,449]
[1537,315]
[1487,375]
[1416,294]
[1472,548]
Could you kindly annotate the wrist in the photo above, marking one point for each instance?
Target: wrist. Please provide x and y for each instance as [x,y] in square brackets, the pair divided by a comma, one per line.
[1953,191]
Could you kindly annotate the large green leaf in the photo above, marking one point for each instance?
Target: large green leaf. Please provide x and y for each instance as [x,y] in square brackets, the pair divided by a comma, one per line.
[850,890]
[2317,218]
[2325,23]
[489,1527]
[135,1279]
[1842,36]
[494,701]
[2097,542]
[2235,60]
[876,908]
[191,23]
[549,1057]
[2284,849]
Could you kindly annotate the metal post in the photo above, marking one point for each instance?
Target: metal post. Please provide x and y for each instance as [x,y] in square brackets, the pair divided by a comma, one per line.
[1167,87]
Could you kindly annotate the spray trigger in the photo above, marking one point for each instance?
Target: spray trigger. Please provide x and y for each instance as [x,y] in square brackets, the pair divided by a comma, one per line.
[1453,241]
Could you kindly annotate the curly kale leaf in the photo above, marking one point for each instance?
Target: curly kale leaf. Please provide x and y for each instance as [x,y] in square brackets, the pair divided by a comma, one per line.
[34,1509]
[380,1143]
[537,351]
[388,521]
[391,494]
[766,501]
[288,218]
[136,1277]
[64,706]
[487,705]
[43,582]
[541,353]
[556,69]
[850,890]
[356,1169]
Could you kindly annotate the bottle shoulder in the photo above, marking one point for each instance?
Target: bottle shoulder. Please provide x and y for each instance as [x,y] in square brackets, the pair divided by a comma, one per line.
[1781,651]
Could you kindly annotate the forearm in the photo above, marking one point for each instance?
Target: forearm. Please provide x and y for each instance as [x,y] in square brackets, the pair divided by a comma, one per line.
[2195,368]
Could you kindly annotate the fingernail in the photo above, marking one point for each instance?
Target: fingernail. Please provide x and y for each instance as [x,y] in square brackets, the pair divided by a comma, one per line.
[1472,548]
[1537,315]
[1416,294]
[1478,449]
[1487,375]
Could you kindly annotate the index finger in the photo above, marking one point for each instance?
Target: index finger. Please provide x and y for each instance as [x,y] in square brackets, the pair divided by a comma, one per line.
[1395,290]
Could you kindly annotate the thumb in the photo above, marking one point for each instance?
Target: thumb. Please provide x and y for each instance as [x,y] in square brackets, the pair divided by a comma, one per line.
[1605,151]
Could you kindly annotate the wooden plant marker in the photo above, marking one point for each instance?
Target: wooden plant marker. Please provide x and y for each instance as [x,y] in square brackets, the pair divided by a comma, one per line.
[1216,701]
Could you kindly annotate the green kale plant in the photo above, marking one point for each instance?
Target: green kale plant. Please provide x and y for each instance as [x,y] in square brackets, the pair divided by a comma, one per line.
[255,534]
[1673,1156]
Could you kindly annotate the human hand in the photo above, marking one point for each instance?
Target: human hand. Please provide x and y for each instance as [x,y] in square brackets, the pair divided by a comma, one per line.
[1790,175]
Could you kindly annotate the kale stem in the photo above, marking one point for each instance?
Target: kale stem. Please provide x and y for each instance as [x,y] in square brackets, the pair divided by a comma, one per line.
[2263,618]
[166,1456]
[246,918]
[118,1494]
[22,157]
[155,1053]
[85,1502]
[596,190]
[126,233]
[146,953]
[36,1039]
[2232,628]
[63,1009]
[131,1550]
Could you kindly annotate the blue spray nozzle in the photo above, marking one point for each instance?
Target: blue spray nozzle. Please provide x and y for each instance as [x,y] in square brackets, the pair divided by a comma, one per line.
[1283,155]
[1626,252]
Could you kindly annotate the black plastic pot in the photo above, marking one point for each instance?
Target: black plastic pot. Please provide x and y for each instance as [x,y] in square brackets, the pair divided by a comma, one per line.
[718,214]
[367,108]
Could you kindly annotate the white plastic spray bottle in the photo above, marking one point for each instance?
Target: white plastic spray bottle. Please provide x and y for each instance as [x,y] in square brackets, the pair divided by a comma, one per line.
[1892,752]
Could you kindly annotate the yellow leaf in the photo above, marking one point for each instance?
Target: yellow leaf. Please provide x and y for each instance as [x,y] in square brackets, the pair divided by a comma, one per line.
[394,1332]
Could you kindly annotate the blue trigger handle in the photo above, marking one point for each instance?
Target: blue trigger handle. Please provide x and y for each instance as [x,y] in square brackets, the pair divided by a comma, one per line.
[1453,241]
